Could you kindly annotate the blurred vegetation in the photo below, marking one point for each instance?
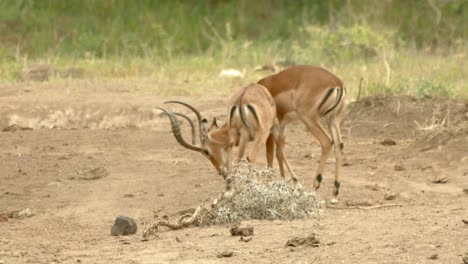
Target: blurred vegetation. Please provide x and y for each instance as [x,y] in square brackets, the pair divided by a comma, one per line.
[129,38]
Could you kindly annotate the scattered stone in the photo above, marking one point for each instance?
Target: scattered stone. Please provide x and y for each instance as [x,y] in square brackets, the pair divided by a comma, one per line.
[390,196]
[124,226]
[245,239]
[36,72]
[15,127]
[399,168]
[465,221]
[225,254]
[23,214]
[440,179]
[242,231]
[26,213]
[374,187]
[388,142]
[129,195]
[93,174]
[434,256]
[308,241]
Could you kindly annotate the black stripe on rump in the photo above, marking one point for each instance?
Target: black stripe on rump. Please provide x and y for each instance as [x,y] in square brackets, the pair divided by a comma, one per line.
[233,109]
[252,109]
[324,100]
[340,95]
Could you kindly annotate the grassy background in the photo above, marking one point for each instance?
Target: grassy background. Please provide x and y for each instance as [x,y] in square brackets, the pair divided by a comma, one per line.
[398,46]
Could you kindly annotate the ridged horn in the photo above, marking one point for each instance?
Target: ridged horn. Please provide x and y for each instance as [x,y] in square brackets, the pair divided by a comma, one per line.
[197,113]
[194,133]
[176,131]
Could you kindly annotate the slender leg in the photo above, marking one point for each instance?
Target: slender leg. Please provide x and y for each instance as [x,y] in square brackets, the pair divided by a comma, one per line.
[280,141]
[317,130]
[334,127]
[282,157]
[261,137]
[270,149]
[244,139]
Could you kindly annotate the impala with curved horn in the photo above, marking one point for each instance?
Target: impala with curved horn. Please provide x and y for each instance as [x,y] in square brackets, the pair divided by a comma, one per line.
[251,117]
[309,93]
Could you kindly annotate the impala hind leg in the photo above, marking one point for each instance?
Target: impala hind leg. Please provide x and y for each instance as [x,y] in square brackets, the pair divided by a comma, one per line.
[260,139]
[280,141]
[336,135]
[243,140]
[270,149]
[317,130]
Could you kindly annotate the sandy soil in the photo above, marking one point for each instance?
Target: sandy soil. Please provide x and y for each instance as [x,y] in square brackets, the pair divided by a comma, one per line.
[142,172]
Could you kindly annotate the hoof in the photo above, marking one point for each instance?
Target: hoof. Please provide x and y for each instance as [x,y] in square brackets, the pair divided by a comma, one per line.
[334,201]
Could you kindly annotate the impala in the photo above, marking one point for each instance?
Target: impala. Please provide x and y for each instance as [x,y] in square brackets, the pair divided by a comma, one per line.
[251,117]
[309,93]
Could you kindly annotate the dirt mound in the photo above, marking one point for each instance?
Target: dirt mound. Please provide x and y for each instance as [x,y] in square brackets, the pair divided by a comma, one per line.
[403,117]
[279,198]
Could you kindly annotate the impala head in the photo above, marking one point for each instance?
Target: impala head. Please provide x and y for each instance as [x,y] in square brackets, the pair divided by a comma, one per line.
[210,145]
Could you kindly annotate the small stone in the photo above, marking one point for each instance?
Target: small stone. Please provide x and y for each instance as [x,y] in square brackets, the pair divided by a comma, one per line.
[93,174]
[242,231]
[390,196]
[226,254]
[245,239]
[388,142]
[465,221]
[124,226]
[374,187]
[399,168]
[465,259]
[23,214]
[311,240]
[434,256]
[440,179]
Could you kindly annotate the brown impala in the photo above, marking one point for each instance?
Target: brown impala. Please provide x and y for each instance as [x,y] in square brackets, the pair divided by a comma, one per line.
[308,93]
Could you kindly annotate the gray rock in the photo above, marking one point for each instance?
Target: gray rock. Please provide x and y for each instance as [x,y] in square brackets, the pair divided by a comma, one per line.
[124,226]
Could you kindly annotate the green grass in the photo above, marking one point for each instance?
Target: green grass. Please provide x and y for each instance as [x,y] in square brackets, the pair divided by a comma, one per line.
[179,47]
[413,73]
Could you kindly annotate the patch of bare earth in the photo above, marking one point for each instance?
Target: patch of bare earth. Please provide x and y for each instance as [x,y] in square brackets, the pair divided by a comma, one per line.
[77,174]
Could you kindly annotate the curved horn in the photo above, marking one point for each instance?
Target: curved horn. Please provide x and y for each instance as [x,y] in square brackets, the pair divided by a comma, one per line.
[199,117]
[176,131]
[194,133]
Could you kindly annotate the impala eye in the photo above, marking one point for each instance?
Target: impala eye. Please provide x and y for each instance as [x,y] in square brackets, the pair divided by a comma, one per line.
[207,152]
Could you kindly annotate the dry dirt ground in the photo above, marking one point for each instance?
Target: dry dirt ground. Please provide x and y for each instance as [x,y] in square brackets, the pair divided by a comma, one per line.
[88,159]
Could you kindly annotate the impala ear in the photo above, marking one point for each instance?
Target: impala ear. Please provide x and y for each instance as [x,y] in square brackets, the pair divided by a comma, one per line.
[204,129]
[214,124]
